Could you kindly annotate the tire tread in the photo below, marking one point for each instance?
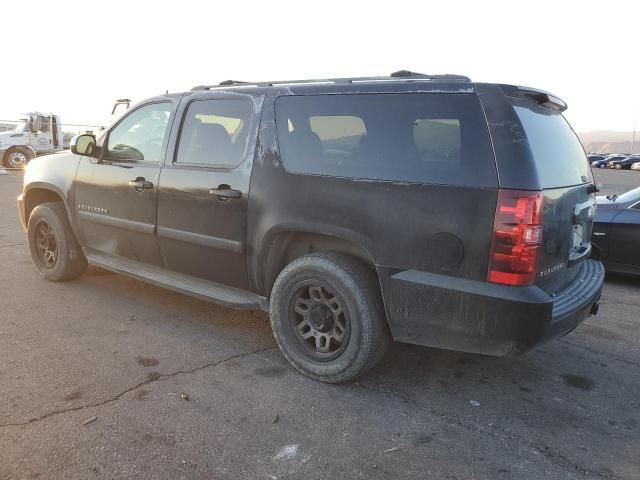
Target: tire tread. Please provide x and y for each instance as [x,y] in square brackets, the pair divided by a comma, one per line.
[70,254]
[366,290]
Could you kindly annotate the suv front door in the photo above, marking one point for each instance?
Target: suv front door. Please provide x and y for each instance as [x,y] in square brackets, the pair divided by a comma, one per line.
[204,185]
[116,194]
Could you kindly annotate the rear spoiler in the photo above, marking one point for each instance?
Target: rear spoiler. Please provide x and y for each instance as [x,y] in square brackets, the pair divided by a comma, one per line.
[542,98]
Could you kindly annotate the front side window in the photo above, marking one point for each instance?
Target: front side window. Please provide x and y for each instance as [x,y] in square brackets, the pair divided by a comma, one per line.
[140,135]
[418,137]
[215,132]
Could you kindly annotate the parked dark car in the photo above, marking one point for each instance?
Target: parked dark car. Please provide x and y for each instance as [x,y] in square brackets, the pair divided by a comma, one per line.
[427,209]
[605,161]
[624,163]
[616,232]
[591,158]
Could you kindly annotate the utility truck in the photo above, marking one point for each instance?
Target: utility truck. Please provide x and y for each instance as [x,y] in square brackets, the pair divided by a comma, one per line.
[35,134]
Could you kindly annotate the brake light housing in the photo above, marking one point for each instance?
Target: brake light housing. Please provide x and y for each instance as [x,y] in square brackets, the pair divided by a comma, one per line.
[517,237]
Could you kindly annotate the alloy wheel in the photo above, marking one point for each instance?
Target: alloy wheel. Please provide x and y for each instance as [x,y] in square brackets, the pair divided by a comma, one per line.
[320,321]
[46,244]
[17,160]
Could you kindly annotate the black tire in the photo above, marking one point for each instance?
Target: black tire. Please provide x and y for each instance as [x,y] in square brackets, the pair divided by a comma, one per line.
[334,283]
[618,166]
[54,249]
[22,157]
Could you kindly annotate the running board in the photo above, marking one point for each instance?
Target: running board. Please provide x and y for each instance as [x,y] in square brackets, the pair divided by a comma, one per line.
[203,289]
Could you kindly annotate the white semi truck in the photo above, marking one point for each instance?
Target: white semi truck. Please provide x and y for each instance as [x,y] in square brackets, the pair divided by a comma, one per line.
[39,134]
[35,134]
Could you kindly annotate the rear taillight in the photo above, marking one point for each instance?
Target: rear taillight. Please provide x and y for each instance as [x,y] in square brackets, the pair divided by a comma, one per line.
[517,236]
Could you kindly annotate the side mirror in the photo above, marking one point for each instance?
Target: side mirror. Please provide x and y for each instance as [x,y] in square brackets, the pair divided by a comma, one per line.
[83,145]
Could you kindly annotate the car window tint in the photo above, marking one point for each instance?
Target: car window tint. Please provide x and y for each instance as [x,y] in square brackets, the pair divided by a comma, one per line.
[215,132]
[339,135]
[140,135]
[555,147]
[438,140]
[423,138]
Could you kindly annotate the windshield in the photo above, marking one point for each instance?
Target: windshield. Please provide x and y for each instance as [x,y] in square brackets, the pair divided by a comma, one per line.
[556,149]
[630,196]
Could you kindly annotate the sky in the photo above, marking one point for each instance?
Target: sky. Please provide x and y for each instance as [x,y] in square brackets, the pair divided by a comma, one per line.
[74,58]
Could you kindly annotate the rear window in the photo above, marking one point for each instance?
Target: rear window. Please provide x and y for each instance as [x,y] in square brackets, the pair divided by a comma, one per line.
[422,138]
[558,153]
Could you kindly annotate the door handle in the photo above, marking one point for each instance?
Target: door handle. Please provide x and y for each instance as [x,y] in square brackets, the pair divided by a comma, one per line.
[141,184]
[225,192]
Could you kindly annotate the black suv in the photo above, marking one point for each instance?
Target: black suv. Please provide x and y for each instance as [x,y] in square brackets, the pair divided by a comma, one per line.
[427,209]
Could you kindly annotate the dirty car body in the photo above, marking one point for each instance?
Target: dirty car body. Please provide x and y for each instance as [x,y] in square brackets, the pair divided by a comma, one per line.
[478,234]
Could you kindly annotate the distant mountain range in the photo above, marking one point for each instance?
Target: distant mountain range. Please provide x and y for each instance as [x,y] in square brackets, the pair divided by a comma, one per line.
[605,141]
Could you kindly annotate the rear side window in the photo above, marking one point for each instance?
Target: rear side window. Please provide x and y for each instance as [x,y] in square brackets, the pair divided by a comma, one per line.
[338,132]
[215,132]
[423,138]
[559,156]
[438,140]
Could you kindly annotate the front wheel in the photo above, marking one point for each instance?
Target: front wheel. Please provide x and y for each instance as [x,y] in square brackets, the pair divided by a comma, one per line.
[328,318]
[54,249]
[17,158]
[618,166]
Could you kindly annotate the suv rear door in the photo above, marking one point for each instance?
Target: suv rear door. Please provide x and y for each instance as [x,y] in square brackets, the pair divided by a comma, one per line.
[204,187]
[537,150]
[116,194]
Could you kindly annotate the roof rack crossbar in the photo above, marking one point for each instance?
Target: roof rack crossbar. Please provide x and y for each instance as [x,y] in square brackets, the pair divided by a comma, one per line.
[401,75]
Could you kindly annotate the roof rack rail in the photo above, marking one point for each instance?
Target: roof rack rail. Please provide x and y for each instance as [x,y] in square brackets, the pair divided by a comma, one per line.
[233,82]
[446,76]
[400,75]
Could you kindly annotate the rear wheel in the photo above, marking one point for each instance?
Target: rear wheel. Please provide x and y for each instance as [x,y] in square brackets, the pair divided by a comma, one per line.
[327,317]
[17,158]
[54,249]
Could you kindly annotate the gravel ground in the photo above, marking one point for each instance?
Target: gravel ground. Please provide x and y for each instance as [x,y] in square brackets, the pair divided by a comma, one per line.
[107,377]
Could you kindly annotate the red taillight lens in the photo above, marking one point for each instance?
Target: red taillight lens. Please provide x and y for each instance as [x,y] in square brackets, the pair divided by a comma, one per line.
[517,236]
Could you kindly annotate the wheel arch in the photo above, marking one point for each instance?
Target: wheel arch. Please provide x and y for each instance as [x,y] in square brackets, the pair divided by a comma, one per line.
[286,245]
[39,193]
[20,147]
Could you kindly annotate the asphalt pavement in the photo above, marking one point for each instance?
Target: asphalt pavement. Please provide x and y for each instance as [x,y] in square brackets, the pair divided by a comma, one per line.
[107,377]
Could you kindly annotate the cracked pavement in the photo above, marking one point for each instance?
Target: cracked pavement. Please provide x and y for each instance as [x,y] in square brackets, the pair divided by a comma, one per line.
[124,352]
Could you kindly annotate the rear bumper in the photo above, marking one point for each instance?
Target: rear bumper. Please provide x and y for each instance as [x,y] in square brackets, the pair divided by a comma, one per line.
[480,317]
